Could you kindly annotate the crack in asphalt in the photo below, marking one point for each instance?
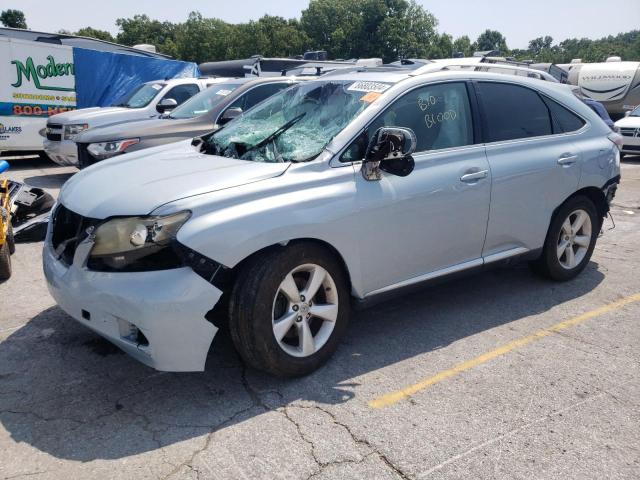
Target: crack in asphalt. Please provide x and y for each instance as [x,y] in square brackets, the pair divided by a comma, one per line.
[257,402]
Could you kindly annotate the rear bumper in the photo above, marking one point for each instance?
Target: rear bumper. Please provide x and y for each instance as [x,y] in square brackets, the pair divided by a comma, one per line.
[609,189]
[167,306]
[63,153]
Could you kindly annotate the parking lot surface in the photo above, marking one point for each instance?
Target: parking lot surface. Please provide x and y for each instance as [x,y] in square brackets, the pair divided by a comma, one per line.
[498,375]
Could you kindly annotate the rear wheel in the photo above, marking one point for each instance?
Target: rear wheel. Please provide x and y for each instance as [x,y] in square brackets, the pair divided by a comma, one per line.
[570,241]
[11,240]
[289,310]
[5,261]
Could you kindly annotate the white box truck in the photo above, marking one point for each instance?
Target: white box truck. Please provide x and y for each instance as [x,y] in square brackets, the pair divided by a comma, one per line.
[36,81]
[44,74]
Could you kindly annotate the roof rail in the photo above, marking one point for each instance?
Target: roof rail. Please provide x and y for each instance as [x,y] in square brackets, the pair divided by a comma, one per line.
[489,67]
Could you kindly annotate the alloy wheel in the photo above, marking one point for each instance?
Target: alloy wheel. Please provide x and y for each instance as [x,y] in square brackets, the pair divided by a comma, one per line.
[305,310]
[574,239]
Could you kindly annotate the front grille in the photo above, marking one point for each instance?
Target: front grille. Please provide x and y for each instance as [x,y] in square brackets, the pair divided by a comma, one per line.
[635,148]
[54,132]
[68,230]
[628,132]
[85,159]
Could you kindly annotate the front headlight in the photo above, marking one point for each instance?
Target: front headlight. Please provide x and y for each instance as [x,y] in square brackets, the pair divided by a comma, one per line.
[137,243]
[104,150]
[70,131]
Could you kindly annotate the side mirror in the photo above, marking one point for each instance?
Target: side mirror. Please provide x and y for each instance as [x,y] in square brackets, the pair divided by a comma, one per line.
[166,104]
[229,114]
[389,150]
[627,113]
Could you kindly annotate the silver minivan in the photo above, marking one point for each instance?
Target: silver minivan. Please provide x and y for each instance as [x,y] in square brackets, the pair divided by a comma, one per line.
[350,187]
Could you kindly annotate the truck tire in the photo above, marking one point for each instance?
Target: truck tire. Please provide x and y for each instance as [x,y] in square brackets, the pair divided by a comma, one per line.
[11,241]
[289,309]
[5,262]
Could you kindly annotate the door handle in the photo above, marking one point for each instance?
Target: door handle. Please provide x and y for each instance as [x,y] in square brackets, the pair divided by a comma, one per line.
[567,159]
[472,177]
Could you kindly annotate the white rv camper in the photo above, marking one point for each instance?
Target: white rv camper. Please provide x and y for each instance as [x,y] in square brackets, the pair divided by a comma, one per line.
[614,83]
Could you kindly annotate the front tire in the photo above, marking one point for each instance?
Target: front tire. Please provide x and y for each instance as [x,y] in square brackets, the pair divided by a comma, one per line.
[289,309]
[5,261]
[570,241]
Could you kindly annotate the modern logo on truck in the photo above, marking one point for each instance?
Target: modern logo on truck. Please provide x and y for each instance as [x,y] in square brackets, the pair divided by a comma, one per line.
[35,73]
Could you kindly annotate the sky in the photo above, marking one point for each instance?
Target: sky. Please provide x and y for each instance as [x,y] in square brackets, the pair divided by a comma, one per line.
[519,21]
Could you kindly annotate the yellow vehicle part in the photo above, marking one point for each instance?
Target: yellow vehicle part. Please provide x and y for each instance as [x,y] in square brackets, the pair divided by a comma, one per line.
[4,204]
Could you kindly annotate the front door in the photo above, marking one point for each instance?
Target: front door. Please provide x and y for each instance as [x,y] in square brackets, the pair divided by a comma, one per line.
[434,220]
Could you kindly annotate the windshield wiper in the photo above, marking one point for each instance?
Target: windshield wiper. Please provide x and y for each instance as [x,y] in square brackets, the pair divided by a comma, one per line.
[276,134]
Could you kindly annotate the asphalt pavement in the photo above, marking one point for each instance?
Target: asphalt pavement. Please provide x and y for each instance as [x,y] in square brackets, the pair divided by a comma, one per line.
[498,375]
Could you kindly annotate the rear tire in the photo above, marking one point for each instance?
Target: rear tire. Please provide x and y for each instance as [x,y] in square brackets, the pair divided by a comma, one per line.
[11,240]
[570,240]
[273,325]
[5,262]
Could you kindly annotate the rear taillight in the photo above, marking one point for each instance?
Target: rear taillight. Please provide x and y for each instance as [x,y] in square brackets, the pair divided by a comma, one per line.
[616,138]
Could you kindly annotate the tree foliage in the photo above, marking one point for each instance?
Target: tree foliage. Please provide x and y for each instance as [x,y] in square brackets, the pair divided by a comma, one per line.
[93,33]
[345,29]
[13,18]
[370,28]
[463,45]
[491,40]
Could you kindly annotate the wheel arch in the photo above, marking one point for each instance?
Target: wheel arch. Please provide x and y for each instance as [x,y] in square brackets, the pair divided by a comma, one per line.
[595,194]
[232,273]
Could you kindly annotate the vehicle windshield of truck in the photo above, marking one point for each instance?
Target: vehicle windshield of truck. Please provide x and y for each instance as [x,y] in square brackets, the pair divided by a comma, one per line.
[140,96]
[635,112]
[204,101]
[295,124]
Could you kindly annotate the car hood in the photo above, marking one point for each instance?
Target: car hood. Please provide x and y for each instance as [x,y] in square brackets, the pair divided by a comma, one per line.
[97,116]
[628,122]
[143,128]
[138,183]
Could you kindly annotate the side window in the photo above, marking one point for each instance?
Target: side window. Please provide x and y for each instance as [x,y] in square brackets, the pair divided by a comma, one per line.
[262,92]
[565,120]
[439,115]
[182,93]
[512,112]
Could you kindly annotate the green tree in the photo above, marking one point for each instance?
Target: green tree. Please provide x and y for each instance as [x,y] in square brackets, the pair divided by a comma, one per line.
[463,44]
[93,33]
[13,18]
[202,39]
[370,28]
[539,44]
[442,47]
[141,29]
[492,40]
[269,36]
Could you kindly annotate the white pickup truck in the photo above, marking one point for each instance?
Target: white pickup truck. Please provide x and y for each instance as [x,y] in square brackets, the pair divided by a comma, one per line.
[145,101]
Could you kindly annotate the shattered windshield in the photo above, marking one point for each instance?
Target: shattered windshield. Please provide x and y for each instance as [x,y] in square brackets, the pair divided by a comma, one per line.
[296,124]
[140,96]
[204,101]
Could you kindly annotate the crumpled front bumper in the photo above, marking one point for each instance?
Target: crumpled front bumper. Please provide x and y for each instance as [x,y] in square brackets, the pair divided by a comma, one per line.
[64,152]
[167,306]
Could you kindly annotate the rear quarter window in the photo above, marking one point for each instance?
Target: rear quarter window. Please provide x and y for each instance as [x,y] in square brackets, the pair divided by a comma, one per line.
[565,120]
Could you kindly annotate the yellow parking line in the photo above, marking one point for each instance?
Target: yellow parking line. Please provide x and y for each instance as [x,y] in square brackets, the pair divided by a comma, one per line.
[394,397]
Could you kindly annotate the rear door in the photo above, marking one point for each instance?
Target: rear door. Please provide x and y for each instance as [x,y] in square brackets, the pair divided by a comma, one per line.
[534,164]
